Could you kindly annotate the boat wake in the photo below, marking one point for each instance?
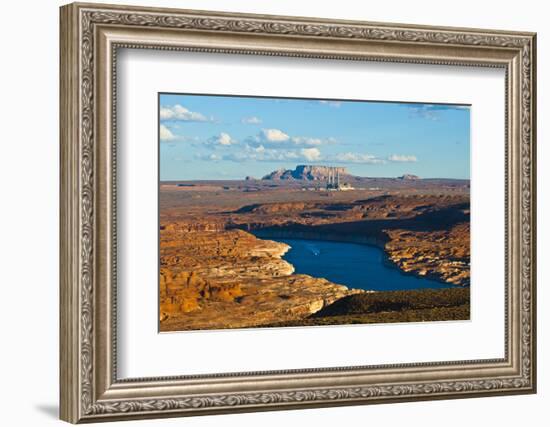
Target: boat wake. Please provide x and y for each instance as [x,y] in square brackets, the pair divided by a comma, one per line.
[313,249]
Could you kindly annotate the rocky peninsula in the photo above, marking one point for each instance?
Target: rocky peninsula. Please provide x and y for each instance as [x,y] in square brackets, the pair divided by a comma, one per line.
[216,280]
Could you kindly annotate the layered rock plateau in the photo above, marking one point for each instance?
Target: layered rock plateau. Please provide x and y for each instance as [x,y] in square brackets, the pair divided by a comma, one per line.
[216,280]
[441,255]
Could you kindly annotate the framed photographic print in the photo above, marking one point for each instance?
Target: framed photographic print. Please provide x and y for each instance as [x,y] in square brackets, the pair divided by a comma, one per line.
[266,212]
[305,246]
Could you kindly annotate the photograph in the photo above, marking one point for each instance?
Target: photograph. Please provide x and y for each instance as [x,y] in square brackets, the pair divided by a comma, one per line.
[295,212]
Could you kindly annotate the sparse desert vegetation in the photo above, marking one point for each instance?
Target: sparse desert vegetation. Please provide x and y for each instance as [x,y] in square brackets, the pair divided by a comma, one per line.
[392,306]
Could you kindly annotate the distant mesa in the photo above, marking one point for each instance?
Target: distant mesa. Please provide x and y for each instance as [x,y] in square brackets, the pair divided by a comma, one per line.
[409,176]
[250,178]
[307,173]
[319,173]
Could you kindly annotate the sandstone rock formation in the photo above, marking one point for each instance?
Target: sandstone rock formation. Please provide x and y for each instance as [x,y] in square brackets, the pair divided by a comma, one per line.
[216,280]
[306,172]
[442,255]
[409,176]
[322,173]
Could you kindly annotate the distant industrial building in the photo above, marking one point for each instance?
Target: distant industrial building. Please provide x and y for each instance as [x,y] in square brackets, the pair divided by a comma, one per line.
[333,181]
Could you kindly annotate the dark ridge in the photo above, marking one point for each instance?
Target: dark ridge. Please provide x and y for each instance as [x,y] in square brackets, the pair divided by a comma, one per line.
[396,301]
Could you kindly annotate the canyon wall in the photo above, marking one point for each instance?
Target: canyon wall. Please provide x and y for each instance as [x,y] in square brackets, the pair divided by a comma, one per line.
[216,280]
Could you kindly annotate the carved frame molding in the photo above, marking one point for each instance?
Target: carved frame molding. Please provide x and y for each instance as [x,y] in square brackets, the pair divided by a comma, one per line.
[90,37]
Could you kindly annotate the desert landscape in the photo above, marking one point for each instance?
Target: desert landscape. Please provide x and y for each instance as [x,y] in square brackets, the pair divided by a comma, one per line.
[224,251]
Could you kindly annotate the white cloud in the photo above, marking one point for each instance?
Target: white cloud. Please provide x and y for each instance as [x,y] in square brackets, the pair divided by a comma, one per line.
[433,111]
[178,112]
[335,104]
[424,112]
[402,158]
[311,154]
[223,139]
[166,134]
[302,140]
[358,158]
[252,120]
[213,157]
[262,154]
[273,135]
[276,138]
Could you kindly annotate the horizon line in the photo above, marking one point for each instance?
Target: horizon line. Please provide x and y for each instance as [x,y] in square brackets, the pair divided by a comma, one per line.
[261,179]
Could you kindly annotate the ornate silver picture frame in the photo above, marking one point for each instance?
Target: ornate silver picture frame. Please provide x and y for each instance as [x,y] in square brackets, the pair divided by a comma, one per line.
[91,35]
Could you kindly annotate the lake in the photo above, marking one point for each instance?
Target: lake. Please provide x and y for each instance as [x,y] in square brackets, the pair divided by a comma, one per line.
[354,265]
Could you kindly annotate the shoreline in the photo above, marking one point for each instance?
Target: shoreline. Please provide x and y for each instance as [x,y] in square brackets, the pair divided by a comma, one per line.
[307,235]
[368,241]
[280,255]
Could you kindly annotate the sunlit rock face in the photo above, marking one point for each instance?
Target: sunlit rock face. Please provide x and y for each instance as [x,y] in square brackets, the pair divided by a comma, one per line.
[443,255]
[218,280]
[307,172]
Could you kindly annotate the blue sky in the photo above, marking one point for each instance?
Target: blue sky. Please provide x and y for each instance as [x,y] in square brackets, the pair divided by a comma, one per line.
[230,137]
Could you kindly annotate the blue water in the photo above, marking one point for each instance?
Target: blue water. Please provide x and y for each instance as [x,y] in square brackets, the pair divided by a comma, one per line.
[354,265]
